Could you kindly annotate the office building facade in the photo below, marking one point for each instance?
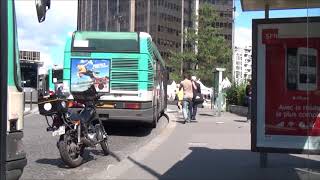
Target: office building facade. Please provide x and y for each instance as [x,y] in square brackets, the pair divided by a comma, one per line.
[161,18]
[242,64]
[30,63]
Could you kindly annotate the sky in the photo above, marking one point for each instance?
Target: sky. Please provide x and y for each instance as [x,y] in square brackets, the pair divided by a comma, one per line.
[243,20]
[49,37]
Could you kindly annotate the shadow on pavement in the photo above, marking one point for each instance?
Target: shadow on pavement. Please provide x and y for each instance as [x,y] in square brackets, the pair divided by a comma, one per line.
[180,121]
[243,121]
[55,162]
[146,168]
[87,157]
[130,128]
[99,152]
[206,114]
[127,129]
[230,164]
[183,122]
[59,163]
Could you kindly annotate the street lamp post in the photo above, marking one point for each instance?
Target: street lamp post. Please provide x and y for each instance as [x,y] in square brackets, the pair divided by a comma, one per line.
[118,17]
[182,33]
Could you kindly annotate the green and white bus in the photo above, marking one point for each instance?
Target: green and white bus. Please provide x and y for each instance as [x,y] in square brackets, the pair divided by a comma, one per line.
[126,68]
[55,77]
[12,156]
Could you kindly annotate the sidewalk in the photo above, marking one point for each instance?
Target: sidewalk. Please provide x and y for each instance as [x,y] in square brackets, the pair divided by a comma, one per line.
[211,148]
[28,111]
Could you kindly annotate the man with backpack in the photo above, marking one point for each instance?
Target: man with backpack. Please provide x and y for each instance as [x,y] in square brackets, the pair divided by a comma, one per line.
[197,97]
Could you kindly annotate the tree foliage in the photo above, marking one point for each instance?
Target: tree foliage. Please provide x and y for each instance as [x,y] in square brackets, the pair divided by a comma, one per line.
[236,94]
[213,50]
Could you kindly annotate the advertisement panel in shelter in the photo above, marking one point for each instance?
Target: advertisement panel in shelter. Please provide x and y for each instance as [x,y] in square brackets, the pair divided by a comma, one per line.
[287,83]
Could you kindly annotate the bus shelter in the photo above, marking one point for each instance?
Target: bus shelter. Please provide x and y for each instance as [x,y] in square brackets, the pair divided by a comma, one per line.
[286,80]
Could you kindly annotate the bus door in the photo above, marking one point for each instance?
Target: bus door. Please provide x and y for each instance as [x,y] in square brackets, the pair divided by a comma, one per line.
[12,158]
[3,83]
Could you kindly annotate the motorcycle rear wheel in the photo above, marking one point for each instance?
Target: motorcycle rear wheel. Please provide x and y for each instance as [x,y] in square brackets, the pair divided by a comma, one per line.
[70,153]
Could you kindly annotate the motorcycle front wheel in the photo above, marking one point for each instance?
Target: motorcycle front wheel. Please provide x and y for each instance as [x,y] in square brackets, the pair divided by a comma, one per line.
[105,147]
[70,152]
[104,143]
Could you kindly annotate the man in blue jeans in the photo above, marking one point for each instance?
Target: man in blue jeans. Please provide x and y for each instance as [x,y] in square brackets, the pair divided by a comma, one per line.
[186,84]
[196,97]
[248,99]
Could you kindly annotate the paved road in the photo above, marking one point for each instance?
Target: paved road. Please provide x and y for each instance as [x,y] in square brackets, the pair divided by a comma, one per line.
[44,160]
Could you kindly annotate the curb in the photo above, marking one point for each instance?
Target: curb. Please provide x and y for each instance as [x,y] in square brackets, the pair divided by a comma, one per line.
[114,171]
[35,110]
[26,113]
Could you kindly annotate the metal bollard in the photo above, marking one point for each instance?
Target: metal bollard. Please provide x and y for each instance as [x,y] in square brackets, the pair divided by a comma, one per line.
[24,100]
[30,100]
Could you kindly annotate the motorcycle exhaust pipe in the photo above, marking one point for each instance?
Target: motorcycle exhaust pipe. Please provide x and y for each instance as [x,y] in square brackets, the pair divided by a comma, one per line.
[88,142]
[79,133]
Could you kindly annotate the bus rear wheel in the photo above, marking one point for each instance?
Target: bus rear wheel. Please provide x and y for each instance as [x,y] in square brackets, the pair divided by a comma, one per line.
[155,118]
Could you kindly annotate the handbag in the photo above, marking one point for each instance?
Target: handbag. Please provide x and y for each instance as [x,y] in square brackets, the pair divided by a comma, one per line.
[198,98]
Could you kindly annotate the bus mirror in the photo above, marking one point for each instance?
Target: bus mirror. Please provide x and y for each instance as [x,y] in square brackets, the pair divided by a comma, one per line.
[42,6]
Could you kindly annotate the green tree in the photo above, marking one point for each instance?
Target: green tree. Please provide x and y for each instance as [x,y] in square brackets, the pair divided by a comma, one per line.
[213,50]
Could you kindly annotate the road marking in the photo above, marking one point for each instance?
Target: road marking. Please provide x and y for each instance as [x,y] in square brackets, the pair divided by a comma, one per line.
[198,144]
[219,122]
[171,111]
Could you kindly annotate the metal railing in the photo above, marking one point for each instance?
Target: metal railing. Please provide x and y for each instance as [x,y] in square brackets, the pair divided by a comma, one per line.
[30,97]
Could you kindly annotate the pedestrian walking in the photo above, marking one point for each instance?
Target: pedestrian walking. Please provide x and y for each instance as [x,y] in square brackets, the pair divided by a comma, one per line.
[248,99]
[197,97]
[179,97]
[186,85]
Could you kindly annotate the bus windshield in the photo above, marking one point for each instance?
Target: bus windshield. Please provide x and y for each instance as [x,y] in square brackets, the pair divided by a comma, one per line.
[105,42]
[58,75]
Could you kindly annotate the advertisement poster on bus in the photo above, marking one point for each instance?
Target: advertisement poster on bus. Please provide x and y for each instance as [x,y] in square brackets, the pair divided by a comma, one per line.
[286,67]
[85,72]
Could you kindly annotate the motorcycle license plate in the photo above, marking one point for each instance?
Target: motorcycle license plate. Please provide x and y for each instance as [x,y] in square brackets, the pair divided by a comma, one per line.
[60,131]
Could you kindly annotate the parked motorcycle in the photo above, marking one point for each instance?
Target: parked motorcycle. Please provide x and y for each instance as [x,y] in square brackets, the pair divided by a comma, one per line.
[76,130]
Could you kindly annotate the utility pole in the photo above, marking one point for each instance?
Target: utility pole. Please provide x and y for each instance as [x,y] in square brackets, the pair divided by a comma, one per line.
[91,17]
[148,17]
[233,45]
[182,33]
[196,24]
[107,16]
[118,16]
[98,16]
[78,15]
[132,15]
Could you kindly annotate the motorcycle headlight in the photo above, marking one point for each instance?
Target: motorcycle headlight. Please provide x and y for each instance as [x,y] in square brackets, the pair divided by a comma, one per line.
[63,104]
[47,106]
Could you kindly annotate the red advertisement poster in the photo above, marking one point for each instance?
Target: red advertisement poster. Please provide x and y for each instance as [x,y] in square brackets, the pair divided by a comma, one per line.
[292,89]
